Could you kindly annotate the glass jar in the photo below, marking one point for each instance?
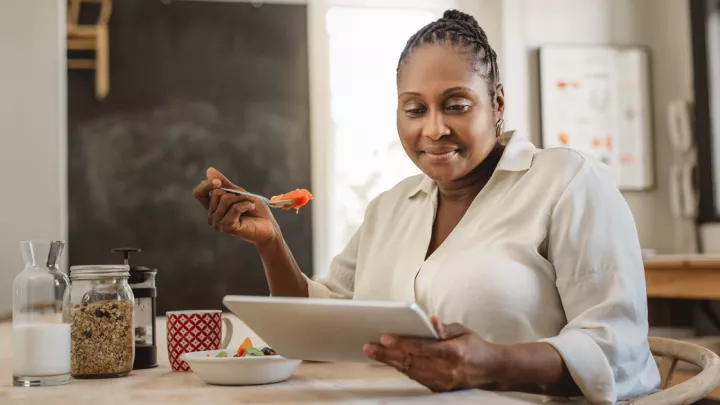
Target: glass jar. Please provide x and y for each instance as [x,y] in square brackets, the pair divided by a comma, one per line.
[101,322]
[41,333]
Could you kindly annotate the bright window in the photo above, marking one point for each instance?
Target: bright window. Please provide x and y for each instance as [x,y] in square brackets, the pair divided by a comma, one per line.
[364,48]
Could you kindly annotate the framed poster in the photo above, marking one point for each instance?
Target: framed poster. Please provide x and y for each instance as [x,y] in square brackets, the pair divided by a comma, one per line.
[596,99]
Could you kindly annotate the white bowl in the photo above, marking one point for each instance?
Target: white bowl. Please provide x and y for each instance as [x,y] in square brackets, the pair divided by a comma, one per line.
[249,370]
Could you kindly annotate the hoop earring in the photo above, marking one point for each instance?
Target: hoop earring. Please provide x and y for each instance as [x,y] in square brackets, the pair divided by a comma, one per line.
[499,127]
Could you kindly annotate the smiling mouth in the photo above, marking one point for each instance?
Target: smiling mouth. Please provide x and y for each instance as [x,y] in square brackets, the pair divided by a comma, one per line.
[440,156]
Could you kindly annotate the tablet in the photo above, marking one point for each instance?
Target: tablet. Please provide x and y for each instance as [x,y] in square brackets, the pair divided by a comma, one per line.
[330,330]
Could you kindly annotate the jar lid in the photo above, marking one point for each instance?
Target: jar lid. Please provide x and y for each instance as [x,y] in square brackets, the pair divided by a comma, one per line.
[99,271]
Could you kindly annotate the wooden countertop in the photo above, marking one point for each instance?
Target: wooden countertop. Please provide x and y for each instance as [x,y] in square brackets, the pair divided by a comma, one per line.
[313,383]
[683,276]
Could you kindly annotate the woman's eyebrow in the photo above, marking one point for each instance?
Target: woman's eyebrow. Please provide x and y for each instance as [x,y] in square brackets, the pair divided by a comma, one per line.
[453,89]
[410,93]
[450,90]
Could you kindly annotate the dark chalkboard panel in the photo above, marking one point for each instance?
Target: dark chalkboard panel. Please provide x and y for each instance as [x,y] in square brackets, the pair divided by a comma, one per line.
[193,84]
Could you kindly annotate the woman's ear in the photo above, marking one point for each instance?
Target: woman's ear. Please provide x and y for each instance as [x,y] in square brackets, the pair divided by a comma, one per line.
[499,101]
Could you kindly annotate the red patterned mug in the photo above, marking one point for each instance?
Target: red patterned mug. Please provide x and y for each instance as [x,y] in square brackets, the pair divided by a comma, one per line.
[194,331]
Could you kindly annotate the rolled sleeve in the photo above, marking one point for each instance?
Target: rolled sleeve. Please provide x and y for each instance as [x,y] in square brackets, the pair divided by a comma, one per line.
[587,364]
[594,248]
[340,280]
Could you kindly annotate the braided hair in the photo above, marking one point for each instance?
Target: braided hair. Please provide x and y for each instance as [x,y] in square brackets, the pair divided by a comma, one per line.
[459,29]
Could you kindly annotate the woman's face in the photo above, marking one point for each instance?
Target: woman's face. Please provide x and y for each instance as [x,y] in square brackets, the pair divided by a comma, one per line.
[446,118]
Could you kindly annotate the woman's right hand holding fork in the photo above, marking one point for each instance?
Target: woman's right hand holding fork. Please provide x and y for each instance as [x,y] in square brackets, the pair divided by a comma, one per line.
[242,216]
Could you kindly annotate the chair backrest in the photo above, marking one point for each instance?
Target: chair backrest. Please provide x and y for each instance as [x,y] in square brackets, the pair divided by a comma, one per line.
[73,12]
[672,351]
[74,6]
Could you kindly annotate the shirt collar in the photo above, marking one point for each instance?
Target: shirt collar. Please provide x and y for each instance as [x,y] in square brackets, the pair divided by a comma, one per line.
[516,157]
[426,186]
[518,154]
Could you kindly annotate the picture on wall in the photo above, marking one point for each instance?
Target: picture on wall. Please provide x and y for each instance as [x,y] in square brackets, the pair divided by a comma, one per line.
[596,99]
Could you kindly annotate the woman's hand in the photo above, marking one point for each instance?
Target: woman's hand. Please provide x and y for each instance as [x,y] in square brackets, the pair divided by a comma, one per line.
[241,216]
[461,359]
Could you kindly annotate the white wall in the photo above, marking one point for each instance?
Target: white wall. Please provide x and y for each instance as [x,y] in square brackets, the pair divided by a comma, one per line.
[662,25]
[666,29]
[488,14]
[32,130]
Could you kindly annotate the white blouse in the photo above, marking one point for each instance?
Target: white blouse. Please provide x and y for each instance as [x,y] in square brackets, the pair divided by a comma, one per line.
[547,251]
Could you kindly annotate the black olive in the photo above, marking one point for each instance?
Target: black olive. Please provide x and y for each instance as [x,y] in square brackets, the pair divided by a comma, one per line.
[99,313]
[87,334]
[267,351]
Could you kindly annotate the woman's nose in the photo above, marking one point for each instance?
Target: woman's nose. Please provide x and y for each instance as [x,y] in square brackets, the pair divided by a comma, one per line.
[434,126]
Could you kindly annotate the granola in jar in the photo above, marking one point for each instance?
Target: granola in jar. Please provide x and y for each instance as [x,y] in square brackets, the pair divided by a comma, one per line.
[102,343]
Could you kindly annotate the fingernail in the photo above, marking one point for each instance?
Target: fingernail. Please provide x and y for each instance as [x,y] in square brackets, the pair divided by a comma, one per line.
[369,351]
[387,340]
[252,207]
[216,183]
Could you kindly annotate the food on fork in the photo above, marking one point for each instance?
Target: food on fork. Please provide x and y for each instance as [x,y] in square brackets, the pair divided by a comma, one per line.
[299,198]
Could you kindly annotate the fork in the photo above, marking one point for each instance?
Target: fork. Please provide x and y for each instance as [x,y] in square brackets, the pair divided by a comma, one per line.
[284,204]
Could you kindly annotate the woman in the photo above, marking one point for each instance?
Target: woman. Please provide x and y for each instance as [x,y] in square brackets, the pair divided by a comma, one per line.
[531,256]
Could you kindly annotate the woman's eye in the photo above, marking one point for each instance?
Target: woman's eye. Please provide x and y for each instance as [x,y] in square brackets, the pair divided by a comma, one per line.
[414,111]
[458,108]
